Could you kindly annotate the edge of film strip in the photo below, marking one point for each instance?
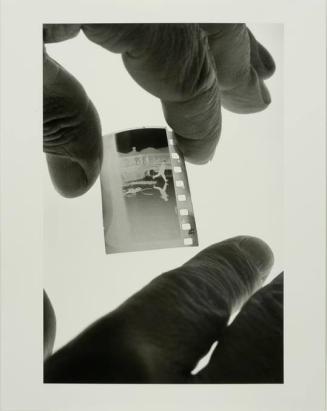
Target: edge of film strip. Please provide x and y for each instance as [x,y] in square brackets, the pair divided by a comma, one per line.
[185,211]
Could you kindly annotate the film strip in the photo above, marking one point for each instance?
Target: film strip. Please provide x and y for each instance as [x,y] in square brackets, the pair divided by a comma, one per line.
[183,194]
[146,199]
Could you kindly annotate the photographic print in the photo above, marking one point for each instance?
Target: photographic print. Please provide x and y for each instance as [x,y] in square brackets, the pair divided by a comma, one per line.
[162,311]
[137,313]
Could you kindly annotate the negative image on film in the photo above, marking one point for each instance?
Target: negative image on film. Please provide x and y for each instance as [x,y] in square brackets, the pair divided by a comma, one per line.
[145,192]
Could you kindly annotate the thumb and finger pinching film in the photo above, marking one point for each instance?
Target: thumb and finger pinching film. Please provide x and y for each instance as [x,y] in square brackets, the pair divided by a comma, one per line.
[146,199]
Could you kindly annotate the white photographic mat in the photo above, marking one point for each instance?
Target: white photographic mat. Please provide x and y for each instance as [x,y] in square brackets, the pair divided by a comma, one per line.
[143,200]
[40,248]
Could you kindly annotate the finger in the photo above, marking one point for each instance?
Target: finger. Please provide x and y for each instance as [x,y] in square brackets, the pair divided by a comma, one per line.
[260,58]
[242,64]
[172,62]
[71,131]
[49,326]
[53,33]
[160,333]
[251,348]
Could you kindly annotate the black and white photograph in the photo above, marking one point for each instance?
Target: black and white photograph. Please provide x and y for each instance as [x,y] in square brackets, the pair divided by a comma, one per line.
[186,324]
[146,199]
[163,205]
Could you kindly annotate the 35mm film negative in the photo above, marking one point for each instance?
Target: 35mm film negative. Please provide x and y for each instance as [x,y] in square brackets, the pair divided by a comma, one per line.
[146,199]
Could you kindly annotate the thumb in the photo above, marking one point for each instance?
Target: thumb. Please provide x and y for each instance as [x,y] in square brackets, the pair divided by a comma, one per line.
[71,131]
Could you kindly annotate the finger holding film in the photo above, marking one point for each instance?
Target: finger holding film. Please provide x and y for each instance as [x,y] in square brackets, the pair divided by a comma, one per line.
[242,65]
[161,332]
[172,62]
[71,131]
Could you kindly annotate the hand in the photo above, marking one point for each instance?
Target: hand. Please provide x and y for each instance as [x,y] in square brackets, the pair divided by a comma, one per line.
[192,68]
[160,333]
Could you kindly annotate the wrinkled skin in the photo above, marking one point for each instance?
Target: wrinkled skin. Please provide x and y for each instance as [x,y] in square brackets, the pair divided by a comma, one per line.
[160,333]
[192,68]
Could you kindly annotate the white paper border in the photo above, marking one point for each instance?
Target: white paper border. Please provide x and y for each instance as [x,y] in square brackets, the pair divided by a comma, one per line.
[21,208]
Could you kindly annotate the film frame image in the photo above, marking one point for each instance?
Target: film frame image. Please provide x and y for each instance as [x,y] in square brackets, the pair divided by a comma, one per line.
[146,199]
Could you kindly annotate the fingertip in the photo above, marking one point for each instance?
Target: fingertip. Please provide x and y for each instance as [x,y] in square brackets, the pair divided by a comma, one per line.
[248,98]
[259,253]
[250,257]
[68,176]
[261,60]
[198,152]
[255,250]
[267,61]
[75,167]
